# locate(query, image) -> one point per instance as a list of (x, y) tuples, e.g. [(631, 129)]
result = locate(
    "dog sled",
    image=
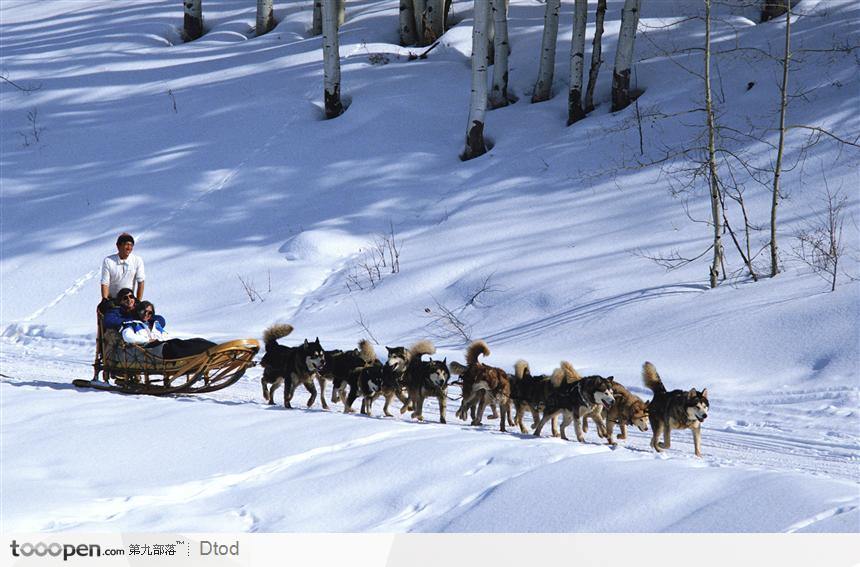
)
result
[(134, 369)]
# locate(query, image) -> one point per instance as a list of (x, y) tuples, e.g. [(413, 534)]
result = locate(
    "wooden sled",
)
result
[(136, 370)]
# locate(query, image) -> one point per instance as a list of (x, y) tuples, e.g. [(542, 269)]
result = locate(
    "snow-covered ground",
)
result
[(215, 156)]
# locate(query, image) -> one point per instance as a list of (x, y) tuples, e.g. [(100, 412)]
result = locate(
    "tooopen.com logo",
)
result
[(64, 550)]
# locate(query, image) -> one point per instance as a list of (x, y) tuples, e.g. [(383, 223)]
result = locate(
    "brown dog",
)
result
[(484, 384), (628, 409)]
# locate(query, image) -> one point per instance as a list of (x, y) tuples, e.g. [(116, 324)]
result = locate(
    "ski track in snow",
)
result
[(821, 516), (71, 290)]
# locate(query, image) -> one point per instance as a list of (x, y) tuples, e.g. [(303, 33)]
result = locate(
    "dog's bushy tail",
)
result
[(366, 351), (275, 332), (457, 368), (566, 373), (652, 379), (422, 347), (476, 349), (521, 367), (570, 373)]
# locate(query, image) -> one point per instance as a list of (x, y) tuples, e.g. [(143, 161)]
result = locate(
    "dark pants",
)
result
[(180, 348)]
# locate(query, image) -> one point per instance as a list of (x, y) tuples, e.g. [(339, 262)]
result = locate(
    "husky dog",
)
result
[(484, 384), (299, 365), (466, 389), (395, 375), (428, 379), (529, 393), (342, 367), (678, 409), (628, 409), (574, 397), (366, 382), (274, 353), (371, 382)]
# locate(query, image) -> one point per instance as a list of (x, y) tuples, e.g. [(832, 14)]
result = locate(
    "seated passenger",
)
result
[(122, 311), (147, 326), (147, 329)]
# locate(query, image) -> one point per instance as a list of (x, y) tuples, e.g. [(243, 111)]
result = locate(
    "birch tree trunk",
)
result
[(624, 55), (317, 24), (193, 20), (491, 37), (419, 8), (783, 105), (475, 145), (596, 55), (772, 9), (407, 23), (499, 93), (713, 179), (331, 59), (543, 86), (265, 16), (435, 10), (577, 62)]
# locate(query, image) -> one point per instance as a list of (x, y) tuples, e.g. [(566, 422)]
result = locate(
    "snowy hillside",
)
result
[(250, 209)]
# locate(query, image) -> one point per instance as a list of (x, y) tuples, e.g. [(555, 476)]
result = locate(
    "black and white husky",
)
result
[(575, 397), (293, 365), (342, 368), (678, 409), (426, 379), (530, 393)]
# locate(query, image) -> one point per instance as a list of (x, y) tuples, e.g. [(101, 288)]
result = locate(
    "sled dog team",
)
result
[(410, 378)]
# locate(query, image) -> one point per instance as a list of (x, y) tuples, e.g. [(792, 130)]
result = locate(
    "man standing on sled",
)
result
[(122, 270)]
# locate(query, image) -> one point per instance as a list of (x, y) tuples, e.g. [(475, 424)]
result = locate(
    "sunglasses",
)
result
[(148, 312), (125, 297)]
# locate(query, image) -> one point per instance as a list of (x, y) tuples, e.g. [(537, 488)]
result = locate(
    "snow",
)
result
[(215, 156)]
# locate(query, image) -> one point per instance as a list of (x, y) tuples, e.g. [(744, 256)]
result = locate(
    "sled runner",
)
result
[(136, 370)]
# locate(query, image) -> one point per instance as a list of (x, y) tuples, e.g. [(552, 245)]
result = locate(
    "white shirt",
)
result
[(118, 273)]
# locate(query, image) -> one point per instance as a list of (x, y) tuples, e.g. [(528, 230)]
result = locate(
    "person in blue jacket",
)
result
[(123, 310)]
